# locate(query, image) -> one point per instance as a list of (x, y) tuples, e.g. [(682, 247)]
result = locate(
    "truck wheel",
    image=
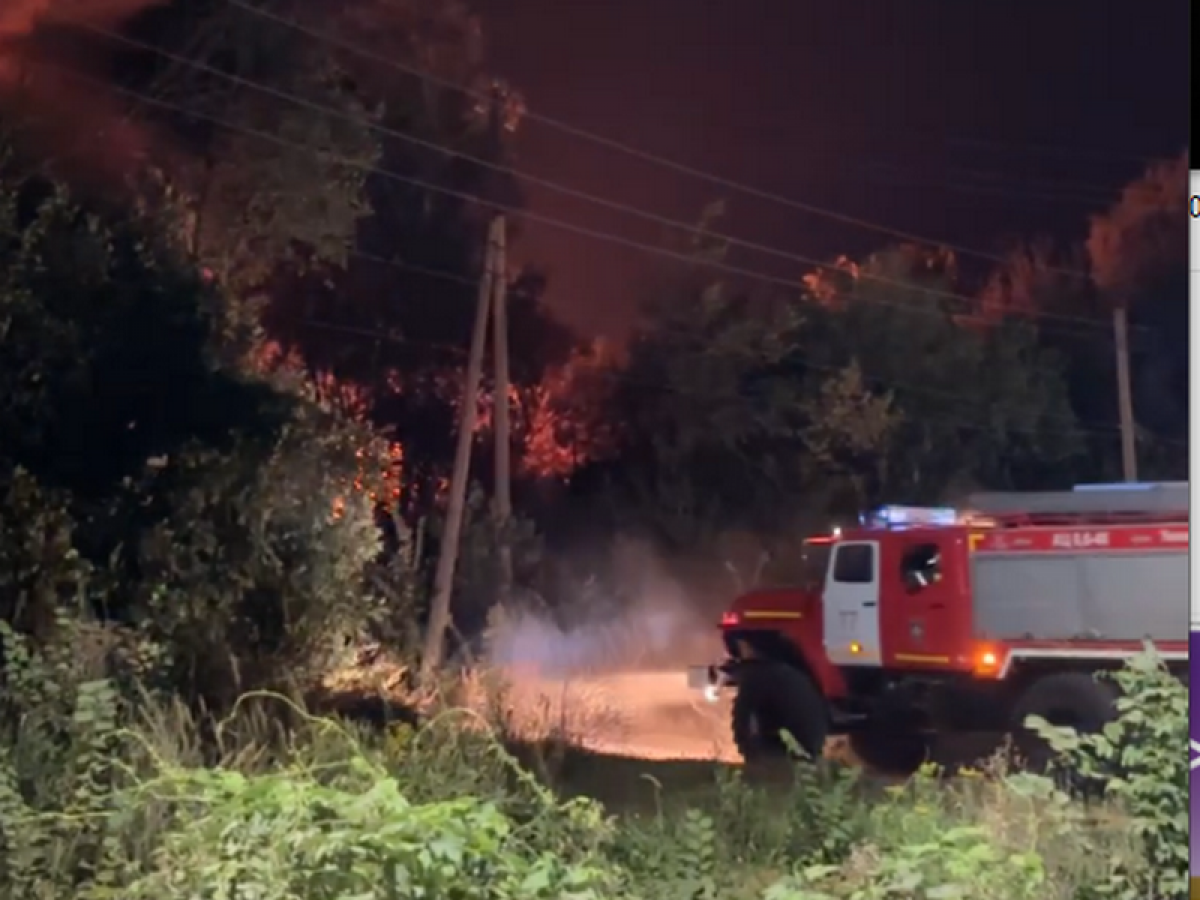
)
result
[(890, 752), (771, 698), (1074, 699)]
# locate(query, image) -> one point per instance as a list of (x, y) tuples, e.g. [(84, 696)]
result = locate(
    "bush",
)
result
[(104, 795), (253, 574), (319, 815), (286, 834), (1138, 763), (40, 569), (150, 476)]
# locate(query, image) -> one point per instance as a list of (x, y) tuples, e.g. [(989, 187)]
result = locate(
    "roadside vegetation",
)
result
[(111, 789)]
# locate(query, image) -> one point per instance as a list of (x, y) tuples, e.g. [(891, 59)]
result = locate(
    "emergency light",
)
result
[(912, 517)]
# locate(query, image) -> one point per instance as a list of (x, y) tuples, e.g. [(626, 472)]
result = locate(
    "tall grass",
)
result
[(124, 795)]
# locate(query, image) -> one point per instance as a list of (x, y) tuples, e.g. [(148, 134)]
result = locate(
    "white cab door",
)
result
[(851, 605)]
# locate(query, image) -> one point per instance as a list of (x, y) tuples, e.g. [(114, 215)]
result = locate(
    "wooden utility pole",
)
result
[(443, 586), (503, 497), (1125, 393)]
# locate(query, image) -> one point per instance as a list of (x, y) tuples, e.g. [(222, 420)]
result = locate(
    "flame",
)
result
[(390, 478)]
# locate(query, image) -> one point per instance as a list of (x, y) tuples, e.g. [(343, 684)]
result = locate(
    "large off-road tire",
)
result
[(1075, 699), (771, 698), (891, 751)]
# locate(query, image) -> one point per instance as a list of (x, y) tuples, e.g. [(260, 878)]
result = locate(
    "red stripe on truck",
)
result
[(1086, 539)]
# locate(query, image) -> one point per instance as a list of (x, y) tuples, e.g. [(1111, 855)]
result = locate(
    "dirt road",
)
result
[(650, 715), (653, 715)]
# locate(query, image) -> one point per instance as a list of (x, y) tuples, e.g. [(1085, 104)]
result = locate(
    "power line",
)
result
[(629, 150), (375, 334), (442, 274), (564, 189), (154, 101), (1108, 429), (452, 349), (607, 237), (379, 335)]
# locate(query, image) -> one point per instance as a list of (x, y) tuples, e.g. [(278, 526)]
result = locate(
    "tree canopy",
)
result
[(214, 355), (147, 479)]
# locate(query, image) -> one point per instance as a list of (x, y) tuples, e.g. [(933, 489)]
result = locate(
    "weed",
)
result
[(107, 792)]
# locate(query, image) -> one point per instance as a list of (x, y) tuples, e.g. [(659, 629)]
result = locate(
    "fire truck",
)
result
[(921, 622)]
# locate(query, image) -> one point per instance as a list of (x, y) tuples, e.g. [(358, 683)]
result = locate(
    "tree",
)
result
[(395, 316), (1038, 278), (709, 426), (251, 560), (1138, 254), (1142, 234), (966, 405), (105, 367), (1050, 285), (41, 571), (313, 228), (877, 381), (564, 423), (278, 143), (215, 510), (848, 434)]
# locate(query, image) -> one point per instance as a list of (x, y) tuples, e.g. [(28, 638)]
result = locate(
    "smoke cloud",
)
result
[(643, 619), (74, 119), (20, 20)]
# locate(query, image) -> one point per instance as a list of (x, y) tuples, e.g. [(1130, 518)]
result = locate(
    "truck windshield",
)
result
[(800, 566)]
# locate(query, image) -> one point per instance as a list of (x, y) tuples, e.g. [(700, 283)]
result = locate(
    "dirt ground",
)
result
[(653, 715), (619, 723)]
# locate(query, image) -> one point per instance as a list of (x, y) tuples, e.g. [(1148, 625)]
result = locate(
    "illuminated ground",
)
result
[(652, 715)]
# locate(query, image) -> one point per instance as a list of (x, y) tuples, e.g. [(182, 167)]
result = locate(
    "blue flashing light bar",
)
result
[(912, 517)]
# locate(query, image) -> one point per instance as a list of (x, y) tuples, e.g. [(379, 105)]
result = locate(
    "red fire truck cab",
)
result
[(926, 621)]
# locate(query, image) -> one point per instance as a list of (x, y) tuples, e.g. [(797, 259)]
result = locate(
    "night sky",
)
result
[(969, 120)]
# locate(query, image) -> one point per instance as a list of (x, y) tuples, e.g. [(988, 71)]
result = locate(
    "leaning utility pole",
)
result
[(443, 585), (502, 509), (492, 280), (1125, 393)]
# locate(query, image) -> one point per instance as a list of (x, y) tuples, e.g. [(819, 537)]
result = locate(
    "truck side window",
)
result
[(854, 564), (921, 566)]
